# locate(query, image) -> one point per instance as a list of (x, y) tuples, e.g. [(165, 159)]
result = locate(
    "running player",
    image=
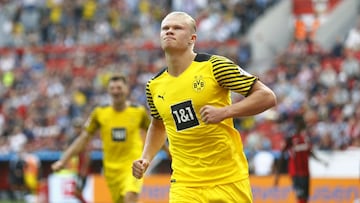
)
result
[(120, 126), (190, 103)]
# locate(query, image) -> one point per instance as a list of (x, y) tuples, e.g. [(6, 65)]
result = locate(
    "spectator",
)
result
[(350, 66), (337, 50), (300, 29), (352, 41), (17, 139), (4, 145), (326, 142)]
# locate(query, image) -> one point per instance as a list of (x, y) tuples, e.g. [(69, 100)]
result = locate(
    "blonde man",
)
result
[(190, 104)]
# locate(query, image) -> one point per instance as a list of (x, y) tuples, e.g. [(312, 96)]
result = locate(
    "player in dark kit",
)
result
[(298, 148)]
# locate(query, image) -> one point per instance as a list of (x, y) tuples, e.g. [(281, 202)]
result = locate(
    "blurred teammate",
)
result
[(190, 103), (120, 126), (298, 148)]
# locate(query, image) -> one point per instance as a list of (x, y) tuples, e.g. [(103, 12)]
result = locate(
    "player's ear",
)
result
[(192, 39)]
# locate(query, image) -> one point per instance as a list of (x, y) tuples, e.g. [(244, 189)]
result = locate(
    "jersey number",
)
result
[(184, 115)]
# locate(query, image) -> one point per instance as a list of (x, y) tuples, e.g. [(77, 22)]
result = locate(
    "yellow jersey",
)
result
[(120, 132), (202, 154)]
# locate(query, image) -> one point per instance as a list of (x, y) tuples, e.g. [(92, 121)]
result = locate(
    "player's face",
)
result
[(176, 33), (118, 91)]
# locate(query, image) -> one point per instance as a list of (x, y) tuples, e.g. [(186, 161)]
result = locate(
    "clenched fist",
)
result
[(139, 167)]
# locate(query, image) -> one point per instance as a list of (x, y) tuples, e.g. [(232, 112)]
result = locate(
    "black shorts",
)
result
[(301, 185)]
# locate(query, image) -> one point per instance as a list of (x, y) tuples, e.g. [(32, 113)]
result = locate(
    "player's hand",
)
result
[(211, 115), (57, 166), (139, 167)]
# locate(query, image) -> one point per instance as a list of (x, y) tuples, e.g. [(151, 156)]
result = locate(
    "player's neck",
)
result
[(120, 106), (179, 62)]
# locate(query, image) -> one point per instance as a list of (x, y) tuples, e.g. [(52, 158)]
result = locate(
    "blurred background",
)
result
[(56, 57)]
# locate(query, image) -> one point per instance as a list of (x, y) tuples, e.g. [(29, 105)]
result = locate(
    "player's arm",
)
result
[(155, 140), (259, 99), (312, 154), (74, 149), (145, 126)]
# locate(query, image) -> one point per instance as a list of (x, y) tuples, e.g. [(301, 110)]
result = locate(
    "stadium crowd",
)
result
[(57, 55)]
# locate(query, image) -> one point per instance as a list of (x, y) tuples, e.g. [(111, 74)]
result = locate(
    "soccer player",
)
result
[(120, 126), (190, 104), (298, 148)]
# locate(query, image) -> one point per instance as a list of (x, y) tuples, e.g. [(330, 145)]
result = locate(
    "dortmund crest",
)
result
[(198, 84)]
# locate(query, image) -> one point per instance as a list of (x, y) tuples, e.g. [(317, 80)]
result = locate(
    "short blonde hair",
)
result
[(190, 19)]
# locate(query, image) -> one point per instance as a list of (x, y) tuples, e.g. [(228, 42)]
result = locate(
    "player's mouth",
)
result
[(168, 38)]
